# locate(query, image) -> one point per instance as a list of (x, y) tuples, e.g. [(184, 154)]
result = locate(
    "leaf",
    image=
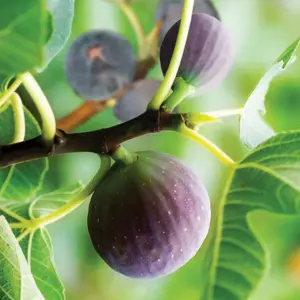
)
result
[(50, 27), (16, 281), (37, 248), (4, 80), (62, 16), (21, 181), (20, 187), (267, 179), (23, 30), (47, 203), (253, 127)]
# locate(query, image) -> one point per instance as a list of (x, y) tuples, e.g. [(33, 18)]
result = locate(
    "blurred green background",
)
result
[(262, 29)]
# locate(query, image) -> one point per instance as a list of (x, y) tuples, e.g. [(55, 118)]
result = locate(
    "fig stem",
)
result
[(200, 139), (75, 202), (134, 21), (23, 235), (181, 91), (225, 112), (8, 93), (194, 120), (123, 156), (19, 118), (43, 107), (13, 215), (151, 45), (168, 81)]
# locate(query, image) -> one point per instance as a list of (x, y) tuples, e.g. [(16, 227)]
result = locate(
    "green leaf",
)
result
[(4, 81), (62, 16), (21, 181), (37, 248), (50, 27), (283, 104), (16, 281), (45, 204), (20, 191), (267, 179), (253, 127), (23, 28)]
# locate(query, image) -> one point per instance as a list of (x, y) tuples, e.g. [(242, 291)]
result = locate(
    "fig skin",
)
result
[(209, 52), (99, 64), (149, 218), (171, 10), (135, 102)]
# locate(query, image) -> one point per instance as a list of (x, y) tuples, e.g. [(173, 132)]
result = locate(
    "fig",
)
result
[(149, 218), (208, 55), (170, 12), (99, 64), (134, 103)]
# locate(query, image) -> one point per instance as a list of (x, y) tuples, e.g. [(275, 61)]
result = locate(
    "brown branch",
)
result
[(143, 68), (103, 141), (83, 113)]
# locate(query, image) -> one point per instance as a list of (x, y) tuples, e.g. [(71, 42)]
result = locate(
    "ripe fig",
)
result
[(208, 55), (99, 64), (149, 218), (170, 12), (135, 102)]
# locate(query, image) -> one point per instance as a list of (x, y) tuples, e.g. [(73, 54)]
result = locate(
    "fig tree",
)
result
[(149, 218)]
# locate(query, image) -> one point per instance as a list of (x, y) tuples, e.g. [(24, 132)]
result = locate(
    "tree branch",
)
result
[(83, 113), (103, 141)]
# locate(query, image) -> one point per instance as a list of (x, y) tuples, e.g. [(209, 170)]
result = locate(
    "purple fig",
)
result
[(135, 102), (208, 55), (170, 12), (99, 64), (149, 218)]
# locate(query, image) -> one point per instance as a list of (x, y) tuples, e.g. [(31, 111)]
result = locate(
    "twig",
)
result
[(103, 141), (83, 113)]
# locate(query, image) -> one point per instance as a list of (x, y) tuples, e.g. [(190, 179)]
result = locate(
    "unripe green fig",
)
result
[(149, 218)]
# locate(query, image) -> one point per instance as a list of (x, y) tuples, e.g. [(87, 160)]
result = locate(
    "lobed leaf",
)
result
[(267, 179), (253, 127)]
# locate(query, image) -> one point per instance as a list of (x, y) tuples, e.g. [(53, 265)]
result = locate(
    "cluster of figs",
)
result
[(148, 218)]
